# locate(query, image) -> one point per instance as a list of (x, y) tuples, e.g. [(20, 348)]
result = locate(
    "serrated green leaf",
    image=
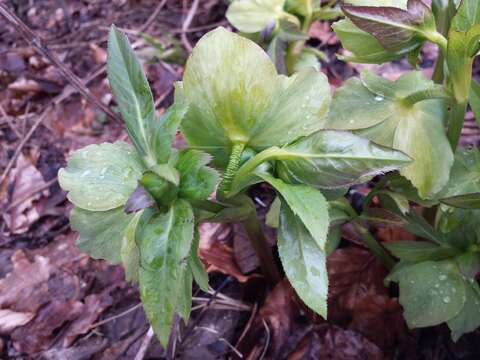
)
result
[(273, 215), (251, 16), (364, 47), (164, 241), (417, 251), (305, 60), (374, 108), (197, 180), (101, 177), (129, 251), (289, 31), (162, 191), (246, 101), (467, 201), (431, 292), (276, 51), (462, 47), (165, 130), (308, 204), (198, 270), (332, 159), (420, 227), (167, 232), (133, 94), (468, 319), (396, 29), (303, 261), (394, 201), (464, 176), (297, 108), (467, 16), (302, 7), (101, 232), (184, 297)]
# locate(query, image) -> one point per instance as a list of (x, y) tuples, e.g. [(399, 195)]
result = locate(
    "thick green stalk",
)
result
[(437, 38), (260, 245), (230, 172), (455, 124), (374, 246), (436, 92), (251, 223), (294, 49)]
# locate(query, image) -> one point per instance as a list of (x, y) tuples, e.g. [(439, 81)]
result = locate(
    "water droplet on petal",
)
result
[(446, 299), (442, 277), (379, 98)]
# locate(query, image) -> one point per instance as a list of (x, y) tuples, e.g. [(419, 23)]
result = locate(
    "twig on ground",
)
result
[(99, 323), (187, 23), (200, 28), (153, 17), (30, 194), (67, 91), (144, 346), (30, 36), (248, 326), (267, 340), (233, 348), (9, 122)]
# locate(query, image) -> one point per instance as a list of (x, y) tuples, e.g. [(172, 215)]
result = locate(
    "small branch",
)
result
[(374, 246), (55, 101), (34, 41), (259, 243), (152, 17), (187, 23), (145, 344)]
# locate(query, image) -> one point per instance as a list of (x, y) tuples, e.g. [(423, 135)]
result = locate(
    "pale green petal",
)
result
[(298, 108), (421, 135), (251, 16), (373, 108), (229, 82)]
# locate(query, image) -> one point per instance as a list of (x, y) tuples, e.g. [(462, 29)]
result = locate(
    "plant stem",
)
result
[(438, 73), (455, 125), (259, 242), (436, 92), (437, 38), (231, 170), (374, 246)]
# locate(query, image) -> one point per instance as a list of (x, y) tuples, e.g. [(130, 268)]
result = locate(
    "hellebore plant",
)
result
[(423, 118), (141, 204), (284, 25)]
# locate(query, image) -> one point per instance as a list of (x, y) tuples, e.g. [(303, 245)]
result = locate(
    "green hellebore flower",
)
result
[(235, 96)]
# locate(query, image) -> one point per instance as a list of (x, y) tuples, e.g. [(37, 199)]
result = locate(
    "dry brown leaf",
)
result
[(334, 343), (220, 257), (24, 179), (10, 320), (359, 300), (280, 311)]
